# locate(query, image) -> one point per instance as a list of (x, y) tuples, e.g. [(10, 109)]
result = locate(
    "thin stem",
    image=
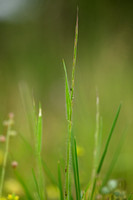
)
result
[(5, 159), (96, 148), (67, 192)]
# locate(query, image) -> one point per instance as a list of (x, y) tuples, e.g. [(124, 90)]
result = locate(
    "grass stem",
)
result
[(5, 158)]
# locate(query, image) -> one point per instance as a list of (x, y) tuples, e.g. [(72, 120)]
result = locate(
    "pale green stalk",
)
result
[(5, 159), (96, 147)]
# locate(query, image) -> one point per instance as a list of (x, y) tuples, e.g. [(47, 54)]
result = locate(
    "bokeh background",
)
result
[(34, 37)]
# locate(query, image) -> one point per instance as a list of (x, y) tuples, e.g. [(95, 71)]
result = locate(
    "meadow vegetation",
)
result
[(68, 185)]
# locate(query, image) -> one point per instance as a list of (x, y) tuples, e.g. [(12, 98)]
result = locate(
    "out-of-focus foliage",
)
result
[(34, 37)]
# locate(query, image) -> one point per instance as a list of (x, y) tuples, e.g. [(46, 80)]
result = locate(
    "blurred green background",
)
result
[(34, 37)]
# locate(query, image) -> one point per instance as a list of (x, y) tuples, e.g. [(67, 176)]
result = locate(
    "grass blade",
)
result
[(49, 174), (108, 140), (36, 184), (40, 174), (115, 157), (100, 137), (67, 92), (60, 182), (39, 130), (25, 188), (5, 159), (68, 109), (105, 150), (75, 168), (74, 56)]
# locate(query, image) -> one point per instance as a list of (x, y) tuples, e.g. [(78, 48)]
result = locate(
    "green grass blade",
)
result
[(40, 175), (75, 168), (100, 136), (105, 150), (108, 140), (68, 109), (36, 184), (60, 182), (49, 174), (74, 56), (39, 131), (67, 92), (25, 188), (40, 178), (115, 157)]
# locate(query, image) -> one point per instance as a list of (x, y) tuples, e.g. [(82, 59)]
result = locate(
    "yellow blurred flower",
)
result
[(80, 151), (12, 197), (53, 192), (13, 186), (1, 158)]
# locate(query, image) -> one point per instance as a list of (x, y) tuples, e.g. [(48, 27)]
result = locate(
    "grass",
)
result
[(9, 127), (40, 170)]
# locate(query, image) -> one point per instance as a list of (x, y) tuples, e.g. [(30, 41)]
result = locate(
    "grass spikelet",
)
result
[(69, 109)]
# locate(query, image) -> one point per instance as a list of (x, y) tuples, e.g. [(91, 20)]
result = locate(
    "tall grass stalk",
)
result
[(69, 109)]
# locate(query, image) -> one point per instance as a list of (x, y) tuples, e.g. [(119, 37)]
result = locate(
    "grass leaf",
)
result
[(105, 150), (67, 92), (23, 184), (74, 56), (39, 130), (108, 140), (49, 174), (115, 157), (60, 182), (36, 184), (75, 168)]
